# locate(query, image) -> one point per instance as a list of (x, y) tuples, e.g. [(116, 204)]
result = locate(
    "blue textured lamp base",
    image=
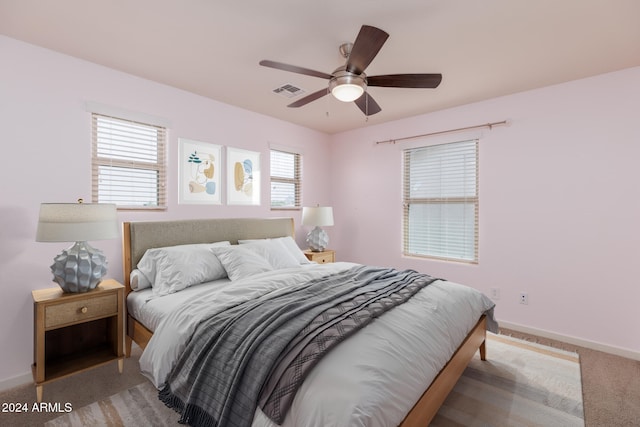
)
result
[(317, 239), (79, 268)]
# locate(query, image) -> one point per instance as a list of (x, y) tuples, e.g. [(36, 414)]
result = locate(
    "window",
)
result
[(441, 201), (285, 180), (128, 163)]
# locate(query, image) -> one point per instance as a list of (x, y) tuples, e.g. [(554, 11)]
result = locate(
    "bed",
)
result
[(411, 410)]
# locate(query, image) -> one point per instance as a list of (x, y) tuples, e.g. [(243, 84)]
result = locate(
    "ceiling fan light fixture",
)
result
[(347, 87)]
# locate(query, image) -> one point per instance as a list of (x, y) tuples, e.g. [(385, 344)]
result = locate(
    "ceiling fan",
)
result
[(349, 82)]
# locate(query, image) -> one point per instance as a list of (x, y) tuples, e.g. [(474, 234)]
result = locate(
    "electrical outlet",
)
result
[(495, 293), (524, 298)]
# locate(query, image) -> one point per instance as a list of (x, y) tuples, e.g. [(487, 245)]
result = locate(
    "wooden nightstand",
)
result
[(75, 332), (328, 255)]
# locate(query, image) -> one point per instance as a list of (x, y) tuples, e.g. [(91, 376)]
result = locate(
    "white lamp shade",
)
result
[(347, 92), (347, 87), (76, 222), (321, 216)]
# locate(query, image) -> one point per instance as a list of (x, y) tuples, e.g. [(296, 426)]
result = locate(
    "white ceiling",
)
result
[(483, 48)]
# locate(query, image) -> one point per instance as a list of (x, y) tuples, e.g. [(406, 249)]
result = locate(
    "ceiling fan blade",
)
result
[(309, 98), (294, 69), (367, 104), (365, 48), (428, 81)]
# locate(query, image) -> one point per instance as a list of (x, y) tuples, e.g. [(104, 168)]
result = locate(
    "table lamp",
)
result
[(81, 267), (319, 216)]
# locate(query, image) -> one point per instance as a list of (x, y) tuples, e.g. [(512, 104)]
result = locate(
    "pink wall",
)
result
[(559, 204), (46, 153)]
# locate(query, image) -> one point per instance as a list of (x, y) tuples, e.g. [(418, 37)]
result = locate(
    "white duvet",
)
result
[(371, 379)]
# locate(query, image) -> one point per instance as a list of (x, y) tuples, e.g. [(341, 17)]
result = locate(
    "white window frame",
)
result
[(441, 201), (128, 163), (296, 180)]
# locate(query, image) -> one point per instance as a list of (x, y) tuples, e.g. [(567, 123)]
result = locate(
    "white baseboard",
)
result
[(593, 345), (19, 380)]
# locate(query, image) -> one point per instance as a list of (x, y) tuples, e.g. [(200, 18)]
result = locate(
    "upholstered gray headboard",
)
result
[(143, 235)]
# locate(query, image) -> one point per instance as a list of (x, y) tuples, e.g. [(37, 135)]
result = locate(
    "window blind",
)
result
[(285, 180), (441, 201), (128, 163)]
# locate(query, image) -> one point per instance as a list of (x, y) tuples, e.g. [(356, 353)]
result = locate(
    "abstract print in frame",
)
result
[(200, 172), (243, 177)]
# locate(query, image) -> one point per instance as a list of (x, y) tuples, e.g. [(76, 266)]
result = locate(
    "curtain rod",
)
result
[(486, 125)]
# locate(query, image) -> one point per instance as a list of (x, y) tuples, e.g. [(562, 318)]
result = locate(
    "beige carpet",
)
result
[(520, 384)]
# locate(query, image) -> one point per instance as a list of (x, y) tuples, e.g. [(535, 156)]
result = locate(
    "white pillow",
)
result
[(294, 250), (289, 244), (273, 251), (173, 268), (241, 262), (138, 280)]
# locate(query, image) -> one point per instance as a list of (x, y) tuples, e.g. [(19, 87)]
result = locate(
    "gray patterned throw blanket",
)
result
[(259, 351)]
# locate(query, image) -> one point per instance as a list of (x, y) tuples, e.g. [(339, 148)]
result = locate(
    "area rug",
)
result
[(520, 384)]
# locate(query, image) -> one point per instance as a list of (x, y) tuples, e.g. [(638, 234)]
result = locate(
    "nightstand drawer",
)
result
[(79, 310), (323, 258)]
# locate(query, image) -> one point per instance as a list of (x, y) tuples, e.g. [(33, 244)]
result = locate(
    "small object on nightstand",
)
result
[(326, 256), (80, 267), (317, 217), (76, 331)]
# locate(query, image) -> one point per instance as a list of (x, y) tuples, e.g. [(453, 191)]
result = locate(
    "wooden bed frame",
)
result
[(140, 236)]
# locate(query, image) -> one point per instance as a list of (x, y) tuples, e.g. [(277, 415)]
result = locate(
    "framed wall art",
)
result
[(199, 172), (243, 177)]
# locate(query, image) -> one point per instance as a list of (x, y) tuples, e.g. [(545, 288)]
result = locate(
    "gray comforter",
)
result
[(268, 344)]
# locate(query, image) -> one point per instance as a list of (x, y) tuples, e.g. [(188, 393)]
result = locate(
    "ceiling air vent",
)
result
[(288, 91)]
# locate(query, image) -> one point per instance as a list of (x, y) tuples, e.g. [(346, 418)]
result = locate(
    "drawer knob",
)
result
[(84, 310)]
